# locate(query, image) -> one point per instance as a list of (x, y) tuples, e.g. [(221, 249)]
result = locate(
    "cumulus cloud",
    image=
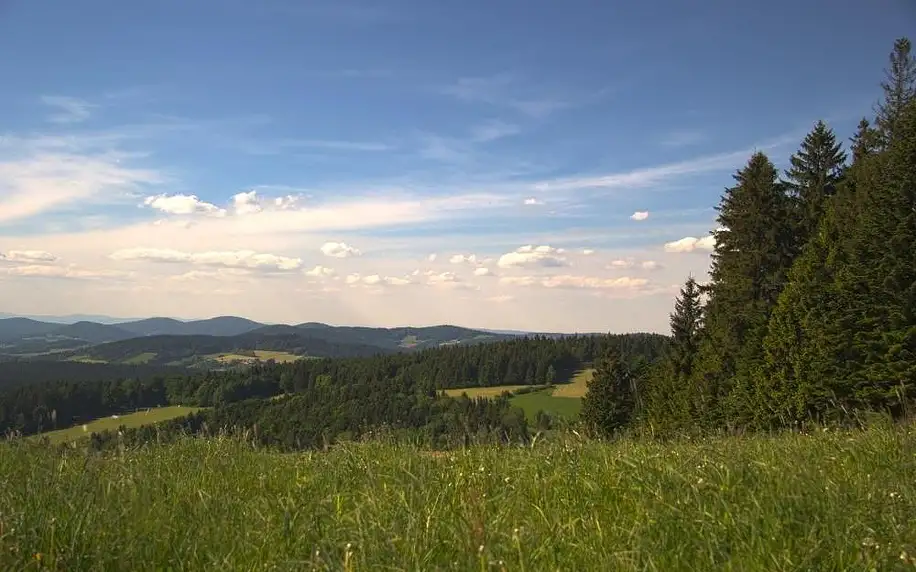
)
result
[(320, 271), (588, 251), (650, 265), (339, 250), (182, 205), (621, 263), (690, 244), (356, 278), (432, 257), (231, 259), (482, 272), (533, 201), (246, 203), (31, 256), (532, 256), (640, 215), (463, 259)]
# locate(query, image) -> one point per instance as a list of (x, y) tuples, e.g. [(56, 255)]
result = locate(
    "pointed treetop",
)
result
[(899, 88)]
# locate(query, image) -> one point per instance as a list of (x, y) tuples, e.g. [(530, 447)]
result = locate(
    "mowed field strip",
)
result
[(137, 419), (261, 355), (562, 399)]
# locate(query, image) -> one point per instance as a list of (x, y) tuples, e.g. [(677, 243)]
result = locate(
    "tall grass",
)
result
[(827, 501)]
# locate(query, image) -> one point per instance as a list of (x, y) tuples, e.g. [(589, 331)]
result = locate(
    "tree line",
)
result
[(321, 397), (809, 315)]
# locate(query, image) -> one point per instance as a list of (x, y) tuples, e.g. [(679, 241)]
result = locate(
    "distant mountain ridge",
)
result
[(27, 337)]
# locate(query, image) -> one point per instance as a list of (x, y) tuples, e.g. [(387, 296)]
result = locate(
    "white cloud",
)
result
[(376, 280), (246, 203), (234, 274), (70, 109), (432, 257), (339, 250), (441, 278), (482, 272), (588, 252), (690, 244), (650, 265), (463, 259), (30, 256), (592, 282), (45, 181), (181, 205), (71, 271), (518, 280), (529, 256), (320, 271), (621, 263), (232, 259), (640, 215), (531, 201)]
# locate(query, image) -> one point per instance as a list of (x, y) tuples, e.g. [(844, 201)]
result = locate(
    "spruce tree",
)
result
[(609, 404), (754, 249), (899, 88), (668, 405), (816, 171)]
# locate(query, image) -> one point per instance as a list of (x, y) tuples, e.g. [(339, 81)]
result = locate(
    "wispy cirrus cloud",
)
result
[(69, 109), (229, 259), (509, 91), (44, 181), (683, 138)]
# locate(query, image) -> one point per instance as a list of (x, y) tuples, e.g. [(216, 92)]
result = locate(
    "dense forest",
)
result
[(292, 403), (809, 316)]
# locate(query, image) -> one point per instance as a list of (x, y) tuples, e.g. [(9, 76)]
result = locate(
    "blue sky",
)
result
[(401, 129)]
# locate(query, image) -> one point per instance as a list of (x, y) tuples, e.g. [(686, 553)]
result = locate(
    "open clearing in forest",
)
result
[(136, 419), (494, 391), (563, 399), (259, 355), (577, 385)]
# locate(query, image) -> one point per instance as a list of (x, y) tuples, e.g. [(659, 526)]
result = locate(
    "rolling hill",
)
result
[(169, 341)]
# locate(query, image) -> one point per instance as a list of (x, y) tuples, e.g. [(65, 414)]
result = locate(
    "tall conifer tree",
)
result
[(754, 249)]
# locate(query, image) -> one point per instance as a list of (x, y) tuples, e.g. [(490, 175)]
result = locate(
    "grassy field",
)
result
[(141, 358), (827, 501), (474, 392), (85, 359), (561, 400), (546, 400), (144, 417), (262, 355), (577, 385)]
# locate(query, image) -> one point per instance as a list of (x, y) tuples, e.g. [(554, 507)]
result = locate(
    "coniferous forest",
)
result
[(809, 313)]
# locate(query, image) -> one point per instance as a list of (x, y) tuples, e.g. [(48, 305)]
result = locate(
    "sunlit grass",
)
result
[(137, 419), (844, 501), (577, 385), (494, 391)]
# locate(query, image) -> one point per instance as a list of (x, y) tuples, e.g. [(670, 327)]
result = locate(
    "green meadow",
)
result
[(825, 501), (136, 419)]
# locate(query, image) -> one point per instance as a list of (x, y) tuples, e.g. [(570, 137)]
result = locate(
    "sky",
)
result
[(507, 164)]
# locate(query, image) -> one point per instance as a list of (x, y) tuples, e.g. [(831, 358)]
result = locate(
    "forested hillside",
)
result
[(809, 315), (328, 397)]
